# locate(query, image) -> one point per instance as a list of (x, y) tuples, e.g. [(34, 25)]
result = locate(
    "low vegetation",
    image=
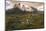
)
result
[(23, 20)]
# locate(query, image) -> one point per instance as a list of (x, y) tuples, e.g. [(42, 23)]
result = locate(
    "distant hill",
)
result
[(16, 11)]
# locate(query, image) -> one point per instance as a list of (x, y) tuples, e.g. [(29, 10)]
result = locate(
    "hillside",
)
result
[(18, 19)]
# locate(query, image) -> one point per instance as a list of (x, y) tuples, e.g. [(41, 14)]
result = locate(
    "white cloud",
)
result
[(32, 0), (11, 5)]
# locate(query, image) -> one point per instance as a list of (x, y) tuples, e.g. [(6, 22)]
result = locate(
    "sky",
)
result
[(30, 0), (10, 3)]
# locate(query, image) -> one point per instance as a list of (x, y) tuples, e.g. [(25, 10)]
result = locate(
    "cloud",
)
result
[(32, 0)]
